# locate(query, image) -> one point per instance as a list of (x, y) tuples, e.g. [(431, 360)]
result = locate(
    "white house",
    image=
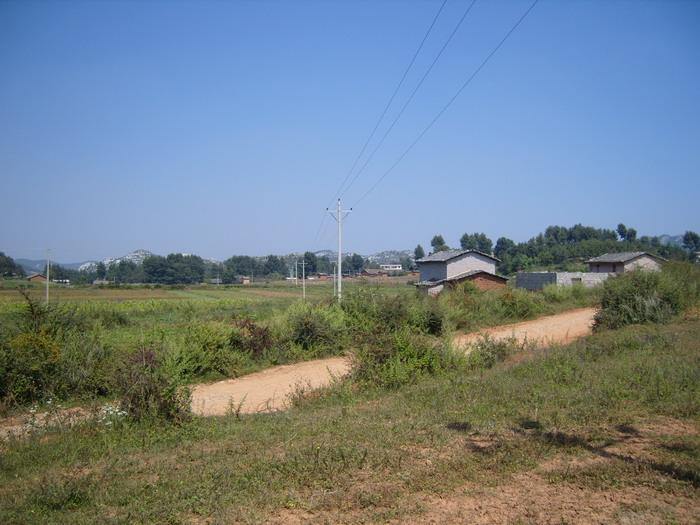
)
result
[(454, 266)]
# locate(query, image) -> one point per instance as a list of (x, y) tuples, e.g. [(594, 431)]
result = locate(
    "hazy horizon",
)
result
[(226, 128)]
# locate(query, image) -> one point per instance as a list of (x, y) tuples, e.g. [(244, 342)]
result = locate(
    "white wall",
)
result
[(468, 262), (644, 263)]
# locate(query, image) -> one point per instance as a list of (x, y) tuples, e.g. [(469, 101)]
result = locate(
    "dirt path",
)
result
[(270, 389), (267, 390), (559, 328)]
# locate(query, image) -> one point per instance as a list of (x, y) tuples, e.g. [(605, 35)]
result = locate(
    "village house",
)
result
[(451, 267), (624, 262), (37, 278)]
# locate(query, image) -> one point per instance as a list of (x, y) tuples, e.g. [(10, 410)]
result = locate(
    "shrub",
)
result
[(392, 359), (28, 364), (249, 337), (147, 390), (315, 327), (639, 297), (207, 349), (520, 304)]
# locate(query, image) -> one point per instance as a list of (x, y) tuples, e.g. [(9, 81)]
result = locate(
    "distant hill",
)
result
[(37, 265), (671, 240)]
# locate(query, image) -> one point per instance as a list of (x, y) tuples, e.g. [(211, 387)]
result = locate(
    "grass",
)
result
[(349, 454)]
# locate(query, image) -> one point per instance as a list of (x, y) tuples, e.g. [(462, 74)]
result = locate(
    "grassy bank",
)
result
[(352, 454)]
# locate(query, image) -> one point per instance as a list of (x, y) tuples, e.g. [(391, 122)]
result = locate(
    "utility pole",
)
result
[(48, 271), (339, 215), (303, 278), (334, 290), (296, 272)]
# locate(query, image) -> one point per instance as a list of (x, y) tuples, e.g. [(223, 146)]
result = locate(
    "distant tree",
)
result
[(274, 265), (311, 262), (9, 268), (622, 231), (418, 252), (691, 241), (631, 234), (476, 241), (504, 246), (353, 263), (323, 264), (406, 263), (438, 244), (101, 270)]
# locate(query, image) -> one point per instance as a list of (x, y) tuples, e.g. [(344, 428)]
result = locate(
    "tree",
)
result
[(504, 246), (622, 231), (691, 241), (631, 234), (476, 241), (274, 265), (311, 263), (438, 244), (418, 252), (101, 270), (9, 268)]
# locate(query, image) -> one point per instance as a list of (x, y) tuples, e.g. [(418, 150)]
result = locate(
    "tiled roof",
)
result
[(621, 257), (451, 254)]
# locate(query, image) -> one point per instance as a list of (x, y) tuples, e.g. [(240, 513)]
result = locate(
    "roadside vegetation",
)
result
[(612, 420)]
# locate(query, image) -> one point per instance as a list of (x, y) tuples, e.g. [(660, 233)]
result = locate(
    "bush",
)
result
[(392, 359), (249, 337), (207, 348), (318, 328), (639, 297), (28, 365), (147, 390)]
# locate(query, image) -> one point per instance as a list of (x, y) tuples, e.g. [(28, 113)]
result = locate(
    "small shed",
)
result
[(625, 262)]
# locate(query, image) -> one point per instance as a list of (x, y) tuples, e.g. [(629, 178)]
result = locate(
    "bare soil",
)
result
[(267, 390), (553, 329)]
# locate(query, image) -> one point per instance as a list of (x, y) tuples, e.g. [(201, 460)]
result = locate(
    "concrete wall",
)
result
[(538, 280), (534, 280), (606, 267), (644, 263), (587, 279), (469, 262), (432, 271)]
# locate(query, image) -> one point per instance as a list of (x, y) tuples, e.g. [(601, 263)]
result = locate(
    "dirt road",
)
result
[(266, 390), (270, 389), (560, 328)]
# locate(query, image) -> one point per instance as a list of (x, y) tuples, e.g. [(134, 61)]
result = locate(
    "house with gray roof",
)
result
[(625, 262), (451, 267)]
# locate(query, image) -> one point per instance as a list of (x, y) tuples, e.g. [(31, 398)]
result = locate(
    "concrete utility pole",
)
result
[(303, 279), (334, 288), (339, 215), (296, 272), (48, 271)]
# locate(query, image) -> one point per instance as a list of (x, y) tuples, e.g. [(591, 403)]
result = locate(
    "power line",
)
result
[(449, 103), (410, 98), (391, 99)]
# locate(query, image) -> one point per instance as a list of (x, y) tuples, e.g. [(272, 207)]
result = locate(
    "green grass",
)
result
[(366, 454)]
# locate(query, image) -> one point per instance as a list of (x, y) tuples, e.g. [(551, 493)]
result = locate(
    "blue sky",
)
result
[(224, 128)]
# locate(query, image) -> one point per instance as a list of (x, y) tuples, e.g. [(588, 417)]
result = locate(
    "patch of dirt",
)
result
[(267, 390), (17, 426), (553, 329)]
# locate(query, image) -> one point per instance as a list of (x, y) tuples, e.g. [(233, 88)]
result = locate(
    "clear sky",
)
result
[(224, 128)]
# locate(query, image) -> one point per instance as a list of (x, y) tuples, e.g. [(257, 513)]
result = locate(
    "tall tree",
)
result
[(418, 252), (438, 244), (311, 262), (622, 231), (476, 241), (631, 234), (504, 246), (101, 270)]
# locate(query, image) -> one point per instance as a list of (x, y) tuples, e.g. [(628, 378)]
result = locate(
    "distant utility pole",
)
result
[(339, 215), (303, 278), (48, 271), (334, 290), (296, 272)]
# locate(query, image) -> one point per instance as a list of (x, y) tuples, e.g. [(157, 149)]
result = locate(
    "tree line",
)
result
[(566, 248)]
